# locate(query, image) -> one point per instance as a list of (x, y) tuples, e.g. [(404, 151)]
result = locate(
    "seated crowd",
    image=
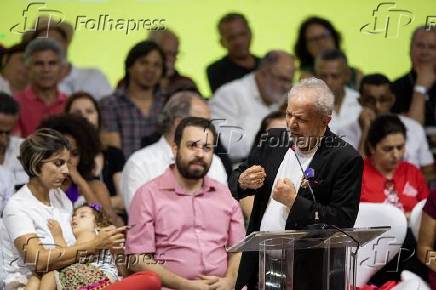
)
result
[(142, 175)]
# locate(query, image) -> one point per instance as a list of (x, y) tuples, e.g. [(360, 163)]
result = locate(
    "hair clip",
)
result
[(96, 206)]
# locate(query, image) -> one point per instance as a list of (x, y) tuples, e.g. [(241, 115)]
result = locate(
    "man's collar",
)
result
[(30, 94), (172, 185)]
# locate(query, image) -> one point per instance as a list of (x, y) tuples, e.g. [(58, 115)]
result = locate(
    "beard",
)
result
[(187, 172), (275, 96)]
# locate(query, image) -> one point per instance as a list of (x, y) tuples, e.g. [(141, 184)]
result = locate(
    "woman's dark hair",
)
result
[(8, 105), (84, 133), (300, 47), (382, 126), (6, 53), (264, 125), (141, 49), (83, 95), (39, 146)]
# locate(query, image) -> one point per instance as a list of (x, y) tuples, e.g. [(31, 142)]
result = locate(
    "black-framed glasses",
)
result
[(326, 34)]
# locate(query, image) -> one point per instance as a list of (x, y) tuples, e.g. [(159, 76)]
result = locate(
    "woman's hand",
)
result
[(75, 176), (110, 238), (54, 227)]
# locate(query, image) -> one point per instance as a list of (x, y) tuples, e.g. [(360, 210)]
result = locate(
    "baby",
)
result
[(97, 273)]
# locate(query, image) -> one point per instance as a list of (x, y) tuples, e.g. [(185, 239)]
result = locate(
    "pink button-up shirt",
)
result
[(33, 110), (187, 233)]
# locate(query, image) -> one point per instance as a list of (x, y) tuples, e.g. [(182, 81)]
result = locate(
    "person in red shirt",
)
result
[(386, 177), (44, 59)]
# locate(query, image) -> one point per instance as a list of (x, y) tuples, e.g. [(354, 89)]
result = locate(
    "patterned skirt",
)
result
[(81, 277)]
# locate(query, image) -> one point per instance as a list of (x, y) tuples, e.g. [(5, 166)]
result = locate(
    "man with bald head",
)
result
[(273, 173), (239, 106), (153, 160), (173, 81)]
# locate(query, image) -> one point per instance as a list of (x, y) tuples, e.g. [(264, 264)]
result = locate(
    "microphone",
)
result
[(306, 176), (317, 225)]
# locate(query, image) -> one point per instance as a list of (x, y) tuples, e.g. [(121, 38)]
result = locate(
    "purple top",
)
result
[(72, 192)]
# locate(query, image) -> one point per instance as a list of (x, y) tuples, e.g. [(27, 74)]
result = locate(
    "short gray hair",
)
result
[(43, 44), (178, 106), (158, 35), (325, 98)]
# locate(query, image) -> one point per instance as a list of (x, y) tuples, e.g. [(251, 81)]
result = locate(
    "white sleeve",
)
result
[(132, 177), (275, 216), (217, 170), (6, 187), (16, 222), (102, 85), (424, 154), (225, 110), (348, 134)]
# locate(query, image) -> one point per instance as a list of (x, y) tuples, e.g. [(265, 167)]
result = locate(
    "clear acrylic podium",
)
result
[(307, 259)]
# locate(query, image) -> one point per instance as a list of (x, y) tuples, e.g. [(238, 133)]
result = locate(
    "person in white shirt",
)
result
[(89, 80), (6, 187), (377, 98), (332, 67), (29, 246), (10, 145), (153, 160), (239, 106), (306, 177)]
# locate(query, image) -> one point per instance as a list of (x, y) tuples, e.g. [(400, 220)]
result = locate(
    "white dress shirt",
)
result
[(276, 213), (12, 163), (89, 80), (6, 187), (23, 215), (350, 108), (239, 109), (152, 161), (4, 86), (417, 150)]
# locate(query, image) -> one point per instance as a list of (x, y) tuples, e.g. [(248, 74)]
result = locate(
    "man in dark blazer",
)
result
[(337, 174)]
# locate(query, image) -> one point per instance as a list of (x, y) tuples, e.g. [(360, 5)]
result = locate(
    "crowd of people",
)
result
[(143, 185)]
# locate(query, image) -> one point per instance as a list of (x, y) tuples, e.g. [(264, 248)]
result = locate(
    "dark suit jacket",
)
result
[(336, 185)]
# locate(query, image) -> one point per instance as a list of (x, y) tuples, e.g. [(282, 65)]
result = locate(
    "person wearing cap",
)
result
[(75, 79), (13, 73), (313, 177), (44, 59)]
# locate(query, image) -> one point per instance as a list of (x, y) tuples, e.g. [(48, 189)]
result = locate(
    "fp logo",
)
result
[(387, 20), (33, 11)]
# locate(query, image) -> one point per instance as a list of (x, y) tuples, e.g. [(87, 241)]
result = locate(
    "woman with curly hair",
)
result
[(85, 146), (316, 35), (110, 161)]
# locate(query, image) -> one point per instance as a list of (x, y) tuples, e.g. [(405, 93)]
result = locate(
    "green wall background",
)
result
[(274, 23)]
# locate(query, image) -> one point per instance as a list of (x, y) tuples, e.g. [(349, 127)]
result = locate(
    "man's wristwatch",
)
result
[(421, 90)]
